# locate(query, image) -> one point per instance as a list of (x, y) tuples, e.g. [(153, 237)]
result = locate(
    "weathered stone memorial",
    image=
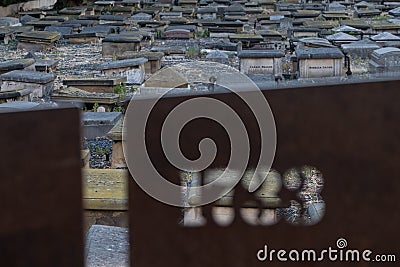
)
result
[(17, 64), (115, 134), (98, 124), (79, 96), (360, 49), (15, 95), (39, 83), (341, 38), (37, 40), (154, 59), (218, 56), (320, 62), (177, 34), (385, 60), (6, 34), (107, 246), (131, 69), (46, 65), (116, 44), (96, 85), (261, 62)]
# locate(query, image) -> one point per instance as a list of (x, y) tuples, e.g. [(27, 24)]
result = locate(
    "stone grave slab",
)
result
[(141, 16), (84, 37), (154, 59), (37, 40), (115, 134), (122, 10), (135, 3), (15, 95), (73, 11), (56, 18), (17, 64), (103, 29), (385, 60), (33, 13), (40, 25), (44, 65), (177, 34), (18, 106), (76, 95), (116, 44), (106, 19), (360, 49), (97, 85), (217, 56), (60, 29), (98, 124), (21, 29), (39, 83), (6, 34), (104, 3), (107, 246), (132, 69), (112, 195), (83, 22), (26, 18), (9, 21)]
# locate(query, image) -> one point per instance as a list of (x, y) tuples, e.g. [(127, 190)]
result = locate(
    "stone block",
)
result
[(39, 83), (16, 64), (115, 44), (97, 124), (98, 85), (132, 69), (107, 246)]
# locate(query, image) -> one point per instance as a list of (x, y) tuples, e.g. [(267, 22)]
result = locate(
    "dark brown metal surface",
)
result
[(349, 132), (40, 190)]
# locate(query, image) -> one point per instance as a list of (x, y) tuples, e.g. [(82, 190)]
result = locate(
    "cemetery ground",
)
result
[(99, 56)]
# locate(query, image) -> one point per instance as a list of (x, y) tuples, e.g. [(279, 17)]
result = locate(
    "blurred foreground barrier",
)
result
[(348, 132), (40, 192)]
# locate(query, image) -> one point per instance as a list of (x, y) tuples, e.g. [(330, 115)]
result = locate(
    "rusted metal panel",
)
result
[(349, 132), (40, 192)]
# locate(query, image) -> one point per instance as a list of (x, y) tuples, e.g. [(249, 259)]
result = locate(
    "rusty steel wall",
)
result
[(350, 132), (40, 191)]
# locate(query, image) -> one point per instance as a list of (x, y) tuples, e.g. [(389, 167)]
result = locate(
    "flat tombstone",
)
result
[(261, 61), (46, 65), (73, 11), (116, 44), (97, 85), (9, 21), (141, 16), (15, 95), (60, 29), (115, 134), (154, 59), (132, 69), (177, 34), (96, 124), (107, 246), (37, 40), (104, 3), (40, 192), (16, 64), (6, 34), (40, 83)]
